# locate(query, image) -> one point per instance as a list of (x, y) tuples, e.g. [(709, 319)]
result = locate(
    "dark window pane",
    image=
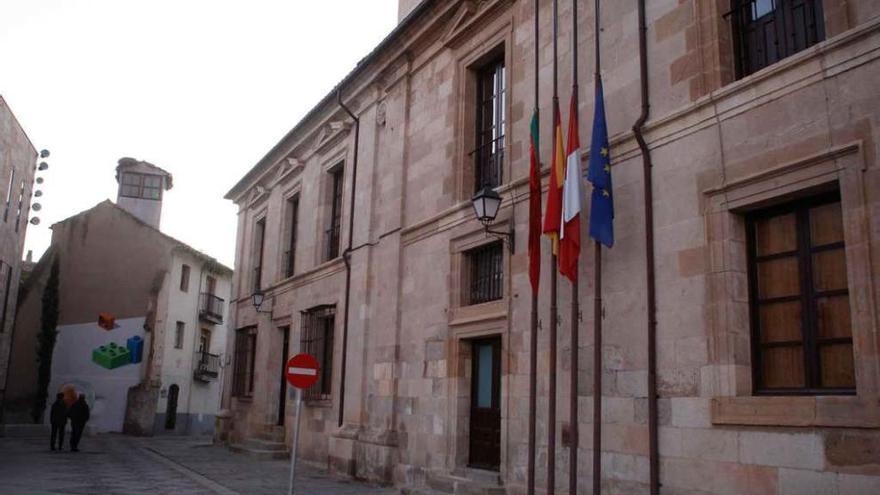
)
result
[(833, 317), (829, 270), (486, 273), (826, 224), (783, 367), (837, 366), (780, 322), (776, 235), (778, 278)]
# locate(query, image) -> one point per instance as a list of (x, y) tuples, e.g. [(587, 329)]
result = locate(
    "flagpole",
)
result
[(597, 319), (533, 340), (575, 310), (551, 389)]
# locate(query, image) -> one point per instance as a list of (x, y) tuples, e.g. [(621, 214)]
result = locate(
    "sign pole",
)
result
[(294, 448)]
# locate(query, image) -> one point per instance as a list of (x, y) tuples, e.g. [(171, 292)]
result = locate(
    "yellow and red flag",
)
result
[(570, 243), (553, 213)]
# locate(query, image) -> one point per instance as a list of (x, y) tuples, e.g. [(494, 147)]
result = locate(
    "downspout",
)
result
[(346, 255), (647, 165)]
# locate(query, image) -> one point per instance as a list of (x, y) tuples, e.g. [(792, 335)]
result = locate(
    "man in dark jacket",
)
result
[(58, 417), (79, 415)]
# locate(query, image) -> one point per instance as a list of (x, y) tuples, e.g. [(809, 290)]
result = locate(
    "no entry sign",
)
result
[(302, 371)]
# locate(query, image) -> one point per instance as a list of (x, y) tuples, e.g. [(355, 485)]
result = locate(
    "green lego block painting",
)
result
[(111, 356)]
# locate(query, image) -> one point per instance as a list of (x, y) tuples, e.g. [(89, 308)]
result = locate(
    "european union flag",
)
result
[(599, 174)]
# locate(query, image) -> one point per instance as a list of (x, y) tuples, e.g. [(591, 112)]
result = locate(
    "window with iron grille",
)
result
[(259, 241), (767, 31), (141, 186), (485, 272), (799, 302), (243, 367), (491, 118), (332, 233), (316, 338), (292, 226)]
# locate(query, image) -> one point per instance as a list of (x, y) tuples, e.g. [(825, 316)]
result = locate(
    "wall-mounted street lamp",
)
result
[(258, 297), (486, 203)]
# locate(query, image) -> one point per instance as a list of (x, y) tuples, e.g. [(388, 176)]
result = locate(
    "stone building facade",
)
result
[(766, 210), (18, 161)]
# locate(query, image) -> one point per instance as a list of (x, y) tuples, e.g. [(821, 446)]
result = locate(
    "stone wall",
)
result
[(719, 147)]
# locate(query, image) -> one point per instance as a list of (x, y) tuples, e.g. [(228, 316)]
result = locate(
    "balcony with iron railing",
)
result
[(211, 308), (207, 366)]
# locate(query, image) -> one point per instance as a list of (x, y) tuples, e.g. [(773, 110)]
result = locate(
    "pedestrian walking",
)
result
[(58, 418), (79, 416)]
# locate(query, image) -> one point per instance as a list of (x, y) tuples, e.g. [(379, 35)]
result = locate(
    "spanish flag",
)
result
[(570, 245), (553, 213)]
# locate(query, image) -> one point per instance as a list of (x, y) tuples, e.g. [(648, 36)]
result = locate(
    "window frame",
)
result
[(495, 289), (185, 271), (139, 189), (496, 70), (743, 24), (257, 257), (333, 233), (807, 296), (179, 334), (289, 260), (317, 329), (244, 363)]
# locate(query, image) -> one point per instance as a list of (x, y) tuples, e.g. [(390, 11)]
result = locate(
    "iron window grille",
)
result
[(243, 367), (799, 300), (485, 273), (141, 186), (767, 31), (491, 119), (316, 338), (331, 235)]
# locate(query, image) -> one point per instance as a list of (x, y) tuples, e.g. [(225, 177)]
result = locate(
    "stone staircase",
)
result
[(265, 444), (460, 482)]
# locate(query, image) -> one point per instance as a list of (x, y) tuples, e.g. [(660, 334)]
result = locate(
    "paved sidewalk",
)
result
[(116, 464)]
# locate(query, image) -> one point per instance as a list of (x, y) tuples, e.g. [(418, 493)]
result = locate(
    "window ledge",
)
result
[(826, 411), (464, 315)]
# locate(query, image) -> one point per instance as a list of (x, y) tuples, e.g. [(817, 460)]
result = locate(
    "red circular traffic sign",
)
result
[(302, 371)]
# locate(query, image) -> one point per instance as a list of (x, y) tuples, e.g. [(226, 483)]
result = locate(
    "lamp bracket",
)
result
[(508, 237)]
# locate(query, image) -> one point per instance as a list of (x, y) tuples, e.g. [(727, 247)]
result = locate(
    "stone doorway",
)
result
[(484, 443)]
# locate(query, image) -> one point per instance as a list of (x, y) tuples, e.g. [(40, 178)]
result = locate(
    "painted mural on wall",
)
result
[(101, 360)]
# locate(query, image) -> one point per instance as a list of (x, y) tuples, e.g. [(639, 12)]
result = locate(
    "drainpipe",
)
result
[(647, 165), (346, 256)]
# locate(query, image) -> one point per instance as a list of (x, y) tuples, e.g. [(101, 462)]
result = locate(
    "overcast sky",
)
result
[(201, 88)]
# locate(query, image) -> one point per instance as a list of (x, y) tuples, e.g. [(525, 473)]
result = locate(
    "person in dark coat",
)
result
[(79, 415), (58, 418)]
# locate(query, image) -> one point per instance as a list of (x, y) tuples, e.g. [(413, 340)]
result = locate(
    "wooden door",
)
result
[(171, 410), (485, 417)]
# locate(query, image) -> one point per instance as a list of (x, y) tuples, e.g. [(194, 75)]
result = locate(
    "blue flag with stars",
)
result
[(599, 174)]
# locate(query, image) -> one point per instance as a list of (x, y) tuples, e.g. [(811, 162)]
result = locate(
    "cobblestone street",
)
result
[(116, 464)]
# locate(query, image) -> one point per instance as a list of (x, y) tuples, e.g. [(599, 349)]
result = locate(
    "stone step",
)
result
[(419, 491), (460, 485), (261, 444), (259, 453)]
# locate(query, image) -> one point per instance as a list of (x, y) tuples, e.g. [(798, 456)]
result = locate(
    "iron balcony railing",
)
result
[(207, 366), (211, 308), (488, 163)]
